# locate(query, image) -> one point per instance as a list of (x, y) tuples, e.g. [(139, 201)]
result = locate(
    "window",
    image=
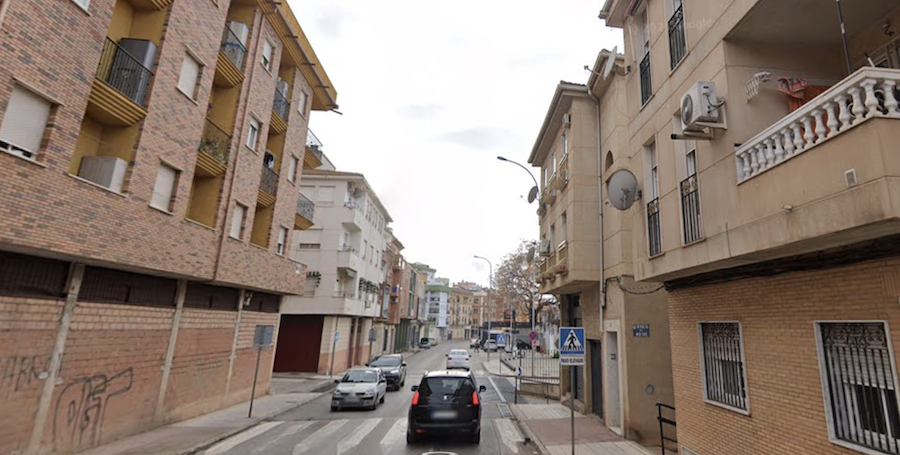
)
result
[(677, 43), (722, 357), (237, 221), (253, 135), (544, 176), (565, 143), (365, 248), (292, 169), (690, 200), (282, 239), (857, 369), (654, 231), (267, 55), (563, 227), (646, 86), (164, 189), (190, 73), (24, 123), (309, 246), (301, 103), (552, 164)]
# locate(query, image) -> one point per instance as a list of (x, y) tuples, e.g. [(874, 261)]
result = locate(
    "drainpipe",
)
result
[(600, 194)]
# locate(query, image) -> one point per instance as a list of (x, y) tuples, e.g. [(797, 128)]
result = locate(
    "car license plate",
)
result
[(444, 415), (352, 399)]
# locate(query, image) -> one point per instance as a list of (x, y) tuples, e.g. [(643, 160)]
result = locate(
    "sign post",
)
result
[(533, 337), (501, 343), (333, 347), (263, 338), (571, 354)]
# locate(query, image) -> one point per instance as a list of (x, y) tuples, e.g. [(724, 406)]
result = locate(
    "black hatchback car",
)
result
[(445, 403), (394, 369)]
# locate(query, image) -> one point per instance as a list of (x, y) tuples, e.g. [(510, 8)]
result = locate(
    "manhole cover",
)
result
[(504, 410)]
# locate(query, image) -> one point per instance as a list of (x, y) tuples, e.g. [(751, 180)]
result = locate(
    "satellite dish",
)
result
[(622, 187), (532, 195), (610, 63)]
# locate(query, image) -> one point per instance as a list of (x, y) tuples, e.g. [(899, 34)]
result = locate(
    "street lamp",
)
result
[(537, 187), (490, 301)]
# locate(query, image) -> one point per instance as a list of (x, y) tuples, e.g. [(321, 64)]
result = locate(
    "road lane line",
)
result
[(499, 393), (240, 438), (296, 428), (357, 435), (396, 435), (319, 436)]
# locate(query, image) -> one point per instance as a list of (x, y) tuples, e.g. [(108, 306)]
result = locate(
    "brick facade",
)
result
[(784, 386)]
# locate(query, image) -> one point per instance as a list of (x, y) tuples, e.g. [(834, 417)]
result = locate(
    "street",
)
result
[(313, 429)]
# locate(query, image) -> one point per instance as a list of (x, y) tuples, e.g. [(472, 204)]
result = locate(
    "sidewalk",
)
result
[(288, 392), (548, 425)]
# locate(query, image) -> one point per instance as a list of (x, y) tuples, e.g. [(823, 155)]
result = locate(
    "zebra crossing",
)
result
[(372, 436)]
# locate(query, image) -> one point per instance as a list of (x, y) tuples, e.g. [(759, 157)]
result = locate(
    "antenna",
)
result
[(610, 63), (532, 195), (623, 191)]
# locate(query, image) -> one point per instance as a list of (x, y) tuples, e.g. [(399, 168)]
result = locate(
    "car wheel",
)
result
[(411, 438), (334, 409), (402, 383), (381, 401), (475, 438)]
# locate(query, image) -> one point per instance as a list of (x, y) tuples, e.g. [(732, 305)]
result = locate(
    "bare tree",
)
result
[(514, 281)]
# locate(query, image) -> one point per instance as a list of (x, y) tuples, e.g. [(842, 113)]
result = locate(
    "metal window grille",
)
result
[(723, 364), (859, 374), (653, 227), (263, 302), (690, 209), (30, 276), (646, 86), (207, 297), (114, 286), (677, 42)]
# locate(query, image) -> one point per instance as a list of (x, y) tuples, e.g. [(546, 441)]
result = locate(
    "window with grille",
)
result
[(654, 228), (690, 200), (858, 380), (724, 375), (677, 41)]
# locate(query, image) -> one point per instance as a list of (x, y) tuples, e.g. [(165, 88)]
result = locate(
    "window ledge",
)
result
[(200, 224), (236, 239), (745, 412), (655, 256), (27, 160), (700, 240), (187, 96), (97, 186), (82, 8), (680, 62), (161, 210), (260, 247), (854, 447), (252, 150), (652, 95)]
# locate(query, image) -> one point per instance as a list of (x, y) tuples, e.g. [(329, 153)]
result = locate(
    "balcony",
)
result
[(303, 219), (268, 187), (280, 109), (312, 159), (213, 152), (230, 62), (867, 94), (562, 256), (120, 87)]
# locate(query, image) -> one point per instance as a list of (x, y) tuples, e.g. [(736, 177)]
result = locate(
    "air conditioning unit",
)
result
[(545, 248), (107, 171), (698, 106), (567, 120)]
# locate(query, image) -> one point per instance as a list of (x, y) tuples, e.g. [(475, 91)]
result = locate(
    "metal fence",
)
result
[(653, 228), (233, 49), (690, 209), (663, 419), (269, 180), (646, 86), (677, 43), (123, 72), (535, 366), (215, 142)]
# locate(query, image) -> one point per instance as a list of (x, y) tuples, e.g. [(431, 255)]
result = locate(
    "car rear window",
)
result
[(459, 352), (453, 389)]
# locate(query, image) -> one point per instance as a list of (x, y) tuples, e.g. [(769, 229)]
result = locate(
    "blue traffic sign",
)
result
[(532, 336), (501, 339), (571, 341)]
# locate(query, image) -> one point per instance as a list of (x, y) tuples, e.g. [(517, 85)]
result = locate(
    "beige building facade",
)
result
[(773, 222)]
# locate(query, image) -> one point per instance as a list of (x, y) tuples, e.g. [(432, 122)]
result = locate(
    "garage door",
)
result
[(299, 340)]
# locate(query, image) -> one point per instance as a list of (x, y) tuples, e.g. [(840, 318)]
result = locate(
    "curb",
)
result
[(251, 423), (529, 434)]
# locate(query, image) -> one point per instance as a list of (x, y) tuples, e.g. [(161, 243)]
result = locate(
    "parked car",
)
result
[(424, 343), (523, 345), (490, 346), (359, 388), (458, 358), (445, 403), (394, 369), (433, 341)]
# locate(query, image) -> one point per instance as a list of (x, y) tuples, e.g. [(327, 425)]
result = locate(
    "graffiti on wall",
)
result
[(18, 373), (78, 416)]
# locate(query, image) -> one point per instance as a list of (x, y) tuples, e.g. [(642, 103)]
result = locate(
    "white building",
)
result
[(437, 294)]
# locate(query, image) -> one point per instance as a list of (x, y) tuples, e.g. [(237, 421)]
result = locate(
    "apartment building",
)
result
[(424, 328), (394, 258), (764, 142), (149, 160), (586, 258), (437, 294), (459, 313), (331, 326)]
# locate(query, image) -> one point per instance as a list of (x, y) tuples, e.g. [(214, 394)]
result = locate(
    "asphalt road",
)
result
[(313, 429)]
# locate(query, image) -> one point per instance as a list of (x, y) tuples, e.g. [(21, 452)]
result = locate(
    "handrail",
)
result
[(123, 72), (281, 105), (269, 180), (233, 48), (305, 207), (215, 141)]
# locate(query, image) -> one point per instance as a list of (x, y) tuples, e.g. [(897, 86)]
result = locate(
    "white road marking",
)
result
[(396, 435), (509, 435), (296, 428), (240, 438), (319, 436), (500, 394), (357, 435)]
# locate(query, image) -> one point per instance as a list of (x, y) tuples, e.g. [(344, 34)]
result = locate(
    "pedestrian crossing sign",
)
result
[(501, 340), (571, 345)]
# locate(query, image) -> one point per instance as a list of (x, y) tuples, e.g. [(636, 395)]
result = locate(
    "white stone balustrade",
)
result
[(867, 93)]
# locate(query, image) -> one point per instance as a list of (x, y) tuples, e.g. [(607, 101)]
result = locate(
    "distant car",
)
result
[(523, 345), (433, 341), (359, 388), (394, 369), (424, 343), (458, 358), (490, 346), (445, 403)]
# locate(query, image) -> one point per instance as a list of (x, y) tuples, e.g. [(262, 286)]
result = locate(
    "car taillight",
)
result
[(415, 401), (475, 398)]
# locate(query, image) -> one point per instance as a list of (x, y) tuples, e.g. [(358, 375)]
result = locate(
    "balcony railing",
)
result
[(654, 233), (269, 181), (868, 93), (281, 106), (690, 209), (314, 144), (215, 142), (677, 42), (646, 86), (123, 72), (563, 253), (233, 49), (306, 208)]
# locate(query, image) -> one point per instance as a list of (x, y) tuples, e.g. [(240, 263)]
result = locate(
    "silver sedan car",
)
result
[(359, 388)]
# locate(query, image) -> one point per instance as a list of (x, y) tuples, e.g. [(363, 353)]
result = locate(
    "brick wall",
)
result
[(777, 314), (245, 360), (27, 333)]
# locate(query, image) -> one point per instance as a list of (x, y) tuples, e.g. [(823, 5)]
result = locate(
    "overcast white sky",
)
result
[(432, 92)]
